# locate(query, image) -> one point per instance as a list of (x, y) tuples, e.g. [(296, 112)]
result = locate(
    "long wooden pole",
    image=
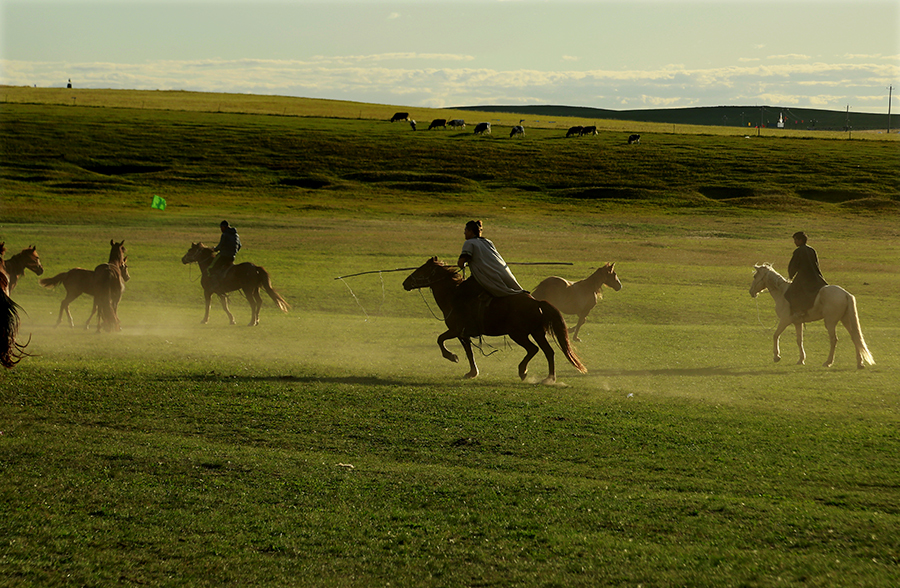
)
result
[(407, 269)]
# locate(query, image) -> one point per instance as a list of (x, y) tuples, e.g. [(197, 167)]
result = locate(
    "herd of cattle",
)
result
[(485, 127)]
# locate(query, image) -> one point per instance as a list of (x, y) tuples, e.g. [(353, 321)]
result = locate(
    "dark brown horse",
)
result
[(78, 281), (520, 316), (246, 277), (578, 297), (16, 265), (11, 352)]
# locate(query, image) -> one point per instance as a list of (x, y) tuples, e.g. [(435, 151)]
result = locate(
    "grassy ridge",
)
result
[(332, 446)]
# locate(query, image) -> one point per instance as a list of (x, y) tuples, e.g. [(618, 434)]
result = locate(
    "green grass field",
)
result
[(333, 446)]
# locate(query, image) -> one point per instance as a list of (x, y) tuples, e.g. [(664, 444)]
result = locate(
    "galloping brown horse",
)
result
[(78, 281), (16, 265), (578, 297), (518, 316), (246, 277)]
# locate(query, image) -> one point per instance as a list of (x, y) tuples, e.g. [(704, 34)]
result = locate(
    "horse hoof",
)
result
[(470, 375), (777, 359), (549, 381)]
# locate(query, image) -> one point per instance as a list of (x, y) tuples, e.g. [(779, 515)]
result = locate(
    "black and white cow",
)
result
[(400, 116), (589, 131), (517, 130), (634, 139), (483, 128), (457, 123)]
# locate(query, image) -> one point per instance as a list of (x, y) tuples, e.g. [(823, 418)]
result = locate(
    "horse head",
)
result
[(611, 279), (760, 278), (197, 253), (124, 270), (32, 261), (430, 272), (116, 252)]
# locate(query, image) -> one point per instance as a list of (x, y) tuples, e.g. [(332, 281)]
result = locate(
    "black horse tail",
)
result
[(54, 281), (555, 324), (108, 285), (11, 352), (266, 283)]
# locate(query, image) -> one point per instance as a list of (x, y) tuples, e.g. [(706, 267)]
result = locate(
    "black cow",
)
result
[(438, 122), (400, 116), (634, 139), (589, 131), (575, 131)]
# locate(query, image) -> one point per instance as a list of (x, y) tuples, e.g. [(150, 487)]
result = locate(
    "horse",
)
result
[(109, 283), (518, 316), (16, 265), (78, 281), (832, 304), (578, 297), (244, 276), (11, 352)]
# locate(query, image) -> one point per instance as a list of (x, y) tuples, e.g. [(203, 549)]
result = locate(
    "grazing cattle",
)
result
[(400, 116), (438, 122), (483, 128), (457, 123), (589, 130), (576, 131), (412, 123), (634, 139), (517, 130)]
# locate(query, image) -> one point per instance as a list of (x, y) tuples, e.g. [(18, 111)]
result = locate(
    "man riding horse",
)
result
[(228, 247), (806, 278), (491, 277)]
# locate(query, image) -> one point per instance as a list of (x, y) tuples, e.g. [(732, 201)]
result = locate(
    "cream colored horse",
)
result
[(833, 304), (578, 297)]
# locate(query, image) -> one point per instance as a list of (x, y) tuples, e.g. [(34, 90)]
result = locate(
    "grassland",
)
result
[(333, 446)]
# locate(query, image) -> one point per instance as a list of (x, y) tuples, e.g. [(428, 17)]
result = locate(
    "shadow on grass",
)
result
[(688, 372)]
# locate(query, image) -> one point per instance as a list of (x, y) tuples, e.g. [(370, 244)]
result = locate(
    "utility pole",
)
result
[(890, 92), (849, 132)]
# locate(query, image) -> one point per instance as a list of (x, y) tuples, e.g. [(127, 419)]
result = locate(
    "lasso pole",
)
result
[(408, 269)]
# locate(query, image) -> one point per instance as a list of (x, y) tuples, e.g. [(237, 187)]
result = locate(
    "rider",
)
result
[(229, 245), (490, 275), (806, 277)]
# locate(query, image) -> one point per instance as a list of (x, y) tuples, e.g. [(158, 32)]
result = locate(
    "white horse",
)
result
[(832, 304)]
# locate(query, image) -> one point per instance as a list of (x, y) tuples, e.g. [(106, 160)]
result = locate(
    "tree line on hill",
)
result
[(731, 116)]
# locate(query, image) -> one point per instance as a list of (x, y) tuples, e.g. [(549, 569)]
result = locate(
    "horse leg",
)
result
[(530, 351), (574, 330), (224, 301), (64, 308), (545, 346), (255, 301), (802, 360), (94, 310), (831, 327), (473, 369), (775, 337), (207, 297), (442, 338)]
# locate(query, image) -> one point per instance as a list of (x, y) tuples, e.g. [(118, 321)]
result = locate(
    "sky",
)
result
[(620, 55)]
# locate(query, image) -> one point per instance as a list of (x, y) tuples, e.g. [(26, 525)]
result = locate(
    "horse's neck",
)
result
[(206, 258), (595, 280), (776, 283), (443, 292), (15, 265)]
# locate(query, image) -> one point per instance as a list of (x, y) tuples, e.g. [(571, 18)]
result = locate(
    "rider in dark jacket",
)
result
[(806, 277), (229, 245)]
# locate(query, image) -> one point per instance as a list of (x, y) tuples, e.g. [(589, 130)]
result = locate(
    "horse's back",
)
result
[(562, 294)]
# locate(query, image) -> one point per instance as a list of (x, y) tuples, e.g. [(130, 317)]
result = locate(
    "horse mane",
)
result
[(451, 270)]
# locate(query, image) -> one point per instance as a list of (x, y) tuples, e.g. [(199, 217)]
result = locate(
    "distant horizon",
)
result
[(608, 54)]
